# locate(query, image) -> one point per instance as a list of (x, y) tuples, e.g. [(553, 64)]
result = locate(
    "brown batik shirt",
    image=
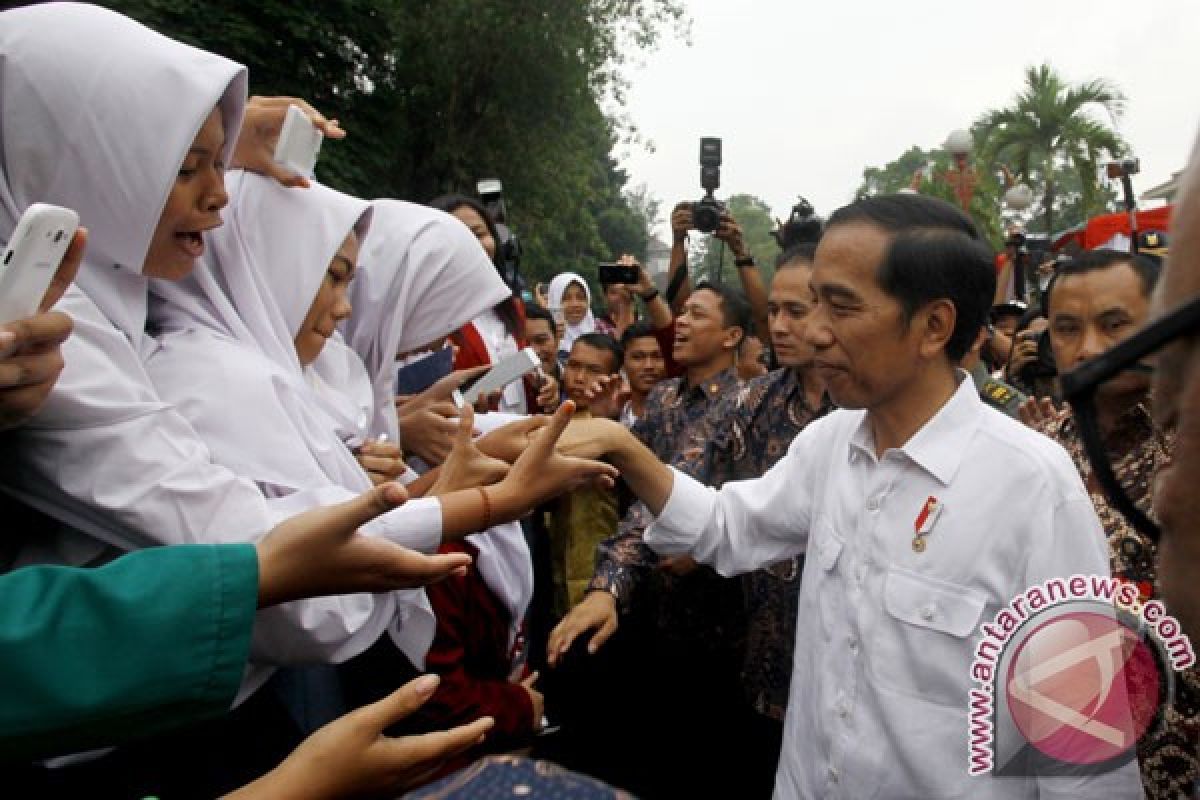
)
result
[(1167, 754)]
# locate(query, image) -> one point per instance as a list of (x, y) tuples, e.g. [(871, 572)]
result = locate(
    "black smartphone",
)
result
[(418, 376), (617, 273)]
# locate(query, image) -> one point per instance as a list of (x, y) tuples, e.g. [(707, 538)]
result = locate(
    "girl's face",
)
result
[(470, 217), (330, 306), (574, 304), (193, 206)]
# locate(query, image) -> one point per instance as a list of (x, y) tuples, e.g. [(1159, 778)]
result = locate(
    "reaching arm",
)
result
[(745, 525), (148, 642)]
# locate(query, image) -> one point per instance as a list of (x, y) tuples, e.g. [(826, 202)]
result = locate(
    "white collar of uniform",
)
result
[(941, 443)]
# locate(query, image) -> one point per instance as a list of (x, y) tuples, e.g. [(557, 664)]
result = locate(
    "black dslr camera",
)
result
[(508, 249), (706, 212)]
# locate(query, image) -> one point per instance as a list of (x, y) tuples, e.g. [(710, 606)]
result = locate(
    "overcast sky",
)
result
[(806, 94)]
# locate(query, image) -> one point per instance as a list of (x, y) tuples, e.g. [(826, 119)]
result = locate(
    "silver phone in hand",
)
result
[(501, 375)]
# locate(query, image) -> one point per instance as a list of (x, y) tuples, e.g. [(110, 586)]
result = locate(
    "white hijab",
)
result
[(554, 295), (97, 113), (231, 325), (421, 275)]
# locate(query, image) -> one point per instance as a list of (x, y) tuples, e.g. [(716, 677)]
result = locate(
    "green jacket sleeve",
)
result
[(91, 657)]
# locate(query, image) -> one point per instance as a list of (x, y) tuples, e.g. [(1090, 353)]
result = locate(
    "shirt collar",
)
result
[(941, 444), (714, 386), (790, 383)]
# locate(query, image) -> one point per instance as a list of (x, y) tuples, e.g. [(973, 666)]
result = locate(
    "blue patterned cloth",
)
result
[(514, 777)]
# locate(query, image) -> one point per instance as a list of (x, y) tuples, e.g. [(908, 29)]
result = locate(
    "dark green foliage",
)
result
[(436, 95)]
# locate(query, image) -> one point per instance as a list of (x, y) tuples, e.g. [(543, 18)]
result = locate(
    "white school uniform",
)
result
[(226, 357), (97, 113), (422, 275)]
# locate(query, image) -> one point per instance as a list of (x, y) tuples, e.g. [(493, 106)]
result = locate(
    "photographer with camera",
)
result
[(728, 231), (1031, 367), (709, 215), (622, 281)]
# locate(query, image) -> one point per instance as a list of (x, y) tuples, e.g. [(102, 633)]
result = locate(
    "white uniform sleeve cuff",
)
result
[(416, 525), (687, 513)]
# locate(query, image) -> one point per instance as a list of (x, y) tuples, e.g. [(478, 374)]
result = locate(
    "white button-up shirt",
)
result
[(886, 634)]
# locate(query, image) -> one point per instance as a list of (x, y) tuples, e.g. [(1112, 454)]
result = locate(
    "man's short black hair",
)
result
[(735, 309), (1093, 260), (534, 311), (936, 252), (602, 341), (797, 253), (642, 329)]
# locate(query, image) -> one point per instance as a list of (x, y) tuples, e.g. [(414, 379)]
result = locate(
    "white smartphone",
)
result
[(502, 374), (31, 258), (299, 143)]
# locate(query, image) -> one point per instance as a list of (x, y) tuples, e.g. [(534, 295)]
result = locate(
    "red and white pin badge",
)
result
[(923, 524)]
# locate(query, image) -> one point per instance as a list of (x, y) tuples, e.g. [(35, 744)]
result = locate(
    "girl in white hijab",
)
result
[(574, 308), (132, 130), (422, 274), (247, 325)]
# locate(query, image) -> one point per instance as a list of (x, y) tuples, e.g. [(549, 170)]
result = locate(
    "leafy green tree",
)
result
[(1049, 129), (436, 96), (926, 168)]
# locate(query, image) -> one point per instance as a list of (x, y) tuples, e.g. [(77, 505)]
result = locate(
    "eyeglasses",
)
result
[(1080, 384)]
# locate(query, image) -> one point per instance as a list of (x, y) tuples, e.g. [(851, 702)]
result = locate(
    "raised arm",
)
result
[(745, 525)]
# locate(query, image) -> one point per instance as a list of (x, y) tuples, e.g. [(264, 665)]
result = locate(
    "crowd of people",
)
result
[(724, 541)]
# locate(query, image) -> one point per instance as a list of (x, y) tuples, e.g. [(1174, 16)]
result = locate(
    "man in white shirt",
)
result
[(891, 600)]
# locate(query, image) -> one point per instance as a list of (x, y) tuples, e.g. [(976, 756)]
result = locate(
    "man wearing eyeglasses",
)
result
[(1095, 301)]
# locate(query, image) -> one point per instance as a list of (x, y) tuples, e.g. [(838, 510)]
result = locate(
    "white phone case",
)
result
[(31, 258), (504, 373), (299, 143)]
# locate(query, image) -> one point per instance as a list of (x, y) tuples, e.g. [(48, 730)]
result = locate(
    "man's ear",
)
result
[(733, 337), (936, 323)]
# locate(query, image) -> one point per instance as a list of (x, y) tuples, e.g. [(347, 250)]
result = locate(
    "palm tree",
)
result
[(1050, 128)]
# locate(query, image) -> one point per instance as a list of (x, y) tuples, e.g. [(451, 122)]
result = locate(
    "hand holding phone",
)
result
[(33, 257), (501, 375), (618, 273), (299, 143)]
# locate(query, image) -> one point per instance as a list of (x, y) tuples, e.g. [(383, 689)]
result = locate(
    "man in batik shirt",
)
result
[(769, 413), (1094, 302), (686, 674)]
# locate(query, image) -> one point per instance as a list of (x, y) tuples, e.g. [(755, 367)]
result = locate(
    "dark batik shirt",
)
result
[(1167, 753), (678, 423), (769, 413)]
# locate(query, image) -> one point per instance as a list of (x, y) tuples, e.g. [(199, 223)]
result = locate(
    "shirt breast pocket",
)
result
[(821, 562), (923, 648)]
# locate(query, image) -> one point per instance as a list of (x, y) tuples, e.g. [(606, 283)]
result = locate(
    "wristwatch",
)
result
[(747, 261)]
